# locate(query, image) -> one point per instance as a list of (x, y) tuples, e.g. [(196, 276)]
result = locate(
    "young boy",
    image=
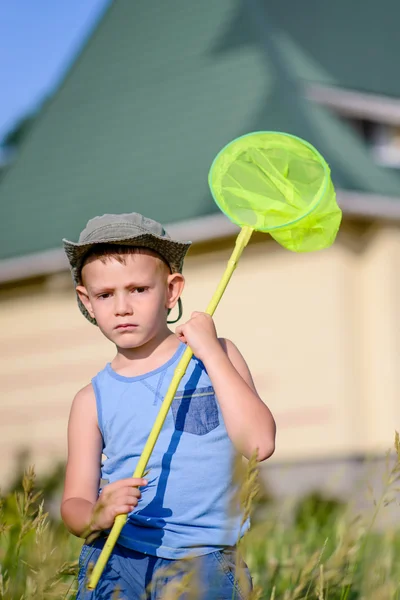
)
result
[(127, 272)]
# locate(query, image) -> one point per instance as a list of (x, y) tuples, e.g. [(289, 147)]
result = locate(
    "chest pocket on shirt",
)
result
[(195, 411)]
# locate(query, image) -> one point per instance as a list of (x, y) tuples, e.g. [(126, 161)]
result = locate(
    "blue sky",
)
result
[(38, 40)]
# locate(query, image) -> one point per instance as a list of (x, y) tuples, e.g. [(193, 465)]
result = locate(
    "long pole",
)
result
[(241, 242)]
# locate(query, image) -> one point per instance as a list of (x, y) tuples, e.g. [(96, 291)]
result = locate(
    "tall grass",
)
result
[(340, 557), (321, 550), (37, 557)]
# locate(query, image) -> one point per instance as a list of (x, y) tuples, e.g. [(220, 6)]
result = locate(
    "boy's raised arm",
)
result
[(249, 422)]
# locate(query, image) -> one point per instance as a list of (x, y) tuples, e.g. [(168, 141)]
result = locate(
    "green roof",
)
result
[(157, 92), (346, 43)]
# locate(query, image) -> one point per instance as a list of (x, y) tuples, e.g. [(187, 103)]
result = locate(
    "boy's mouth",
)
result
[(125, 326)]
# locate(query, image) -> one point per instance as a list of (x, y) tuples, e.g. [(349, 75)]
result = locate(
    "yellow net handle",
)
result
[(241, 242)]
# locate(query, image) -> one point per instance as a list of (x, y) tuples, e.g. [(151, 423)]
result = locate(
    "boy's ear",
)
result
[(84, 298), (176, 283)]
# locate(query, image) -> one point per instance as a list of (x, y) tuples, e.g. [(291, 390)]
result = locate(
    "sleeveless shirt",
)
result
[(189, 506)]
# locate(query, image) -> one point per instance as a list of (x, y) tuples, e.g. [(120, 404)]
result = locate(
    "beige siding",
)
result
[(319, 331)]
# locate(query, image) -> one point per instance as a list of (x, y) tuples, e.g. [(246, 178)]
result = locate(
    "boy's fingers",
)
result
[(179, 333), (126, 495), (123, 509), (139, 481), (132, 482)]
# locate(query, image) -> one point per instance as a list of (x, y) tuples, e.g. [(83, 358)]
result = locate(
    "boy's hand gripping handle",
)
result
[(241, 242)]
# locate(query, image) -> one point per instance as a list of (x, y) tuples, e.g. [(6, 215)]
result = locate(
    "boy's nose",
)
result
[(123, 306)]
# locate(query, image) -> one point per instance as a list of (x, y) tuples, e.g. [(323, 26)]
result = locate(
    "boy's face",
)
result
[(129, 300)]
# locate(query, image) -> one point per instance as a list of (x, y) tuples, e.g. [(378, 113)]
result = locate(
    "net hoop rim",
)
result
[(315, 202)]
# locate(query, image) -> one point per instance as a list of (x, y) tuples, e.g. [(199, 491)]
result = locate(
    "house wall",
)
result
[(319, 331)]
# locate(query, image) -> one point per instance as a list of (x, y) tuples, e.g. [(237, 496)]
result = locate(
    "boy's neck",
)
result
[(132, 362)]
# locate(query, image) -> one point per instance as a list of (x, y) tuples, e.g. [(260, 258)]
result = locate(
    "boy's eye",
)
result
[(104, 296), (139, 290)]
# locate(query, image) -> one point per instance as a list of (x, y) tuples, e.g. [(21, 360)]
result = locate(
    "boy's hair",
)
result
[(118, 252)]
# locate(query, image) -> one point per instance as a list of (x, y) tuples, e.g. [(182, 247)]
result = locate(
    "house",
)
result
[(153, 96)]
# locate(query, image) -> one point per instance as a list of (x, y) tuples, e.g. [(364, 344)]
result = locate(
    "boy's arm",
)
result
[(83, 467), (248, 420), (82, 510)]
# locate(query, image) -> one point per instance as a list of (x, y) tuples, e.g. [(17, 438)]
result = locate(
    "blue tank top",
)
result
[(188, 506)]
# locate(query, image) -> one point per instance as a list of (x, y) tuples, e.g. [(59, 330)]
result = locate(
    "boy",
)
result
[(127, 273)]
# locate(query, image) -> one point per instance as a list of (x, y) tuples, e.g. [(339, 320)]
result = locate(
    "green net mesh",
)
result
[(277, 183)]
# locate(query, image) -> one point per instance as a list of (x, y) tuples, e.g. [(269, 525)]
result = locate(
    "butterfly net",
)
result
[(280, 184)]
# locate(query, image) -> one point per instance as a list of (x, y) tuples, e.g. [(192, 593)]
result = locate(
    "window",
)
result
[(375, 118)]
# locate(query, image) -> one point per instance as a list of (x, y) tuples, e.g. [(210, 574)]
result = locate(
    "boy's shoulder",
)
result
[(230, 348), (237, 359), (84, 399), (86, 392), (226, 344), (83, 413)]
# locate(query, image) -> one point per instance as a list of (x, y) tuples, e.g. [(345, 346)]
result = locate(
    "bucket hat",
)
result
[(130, 229)]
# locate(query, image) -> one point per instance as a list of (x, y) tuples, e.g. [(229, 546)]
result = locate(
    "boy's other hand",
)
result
[(118, 498), (200, 334)]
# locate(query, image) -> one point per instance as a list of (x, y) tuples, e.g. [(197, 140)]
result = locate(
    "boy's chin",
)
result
[(128, 344), (128, 341)]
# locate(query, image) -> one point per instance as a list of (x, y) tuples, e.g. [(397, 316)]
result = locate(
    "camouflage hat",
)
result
[(126, 229)]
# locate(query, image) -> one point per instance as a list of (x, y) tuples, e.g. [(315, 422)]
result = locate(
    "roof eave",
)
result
[(352, 103), (201, 229)]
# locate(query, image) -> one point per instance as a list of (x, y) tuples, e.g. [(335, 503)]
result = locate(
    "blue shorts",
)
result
[(131, 575)]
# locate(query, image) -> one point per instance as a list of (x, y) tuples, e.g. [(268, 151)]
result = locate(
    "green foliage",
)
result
[(319, 510), (325, 551), (318, 551), (49, 483), (37, 558)]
